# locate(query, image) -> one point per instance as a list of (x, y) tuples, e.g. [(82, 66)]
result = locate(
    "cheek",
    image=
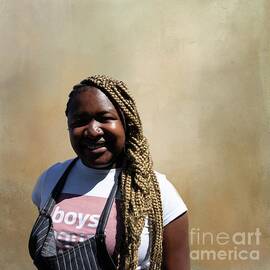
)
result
[(74, 136), (118, 137), (122, 138)]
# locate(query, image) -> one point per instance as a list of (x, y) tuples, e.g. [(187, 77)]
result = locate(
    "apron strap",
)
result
[(48, 207), (60, 184), (103, 220)]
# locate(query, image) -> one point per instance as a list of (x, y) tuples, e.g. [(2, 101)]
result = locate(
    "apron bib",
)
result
[(91, 254)]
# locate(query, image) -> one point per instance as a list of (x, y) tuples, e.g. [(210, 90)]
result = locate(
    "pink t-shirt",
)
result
[(78, 208)]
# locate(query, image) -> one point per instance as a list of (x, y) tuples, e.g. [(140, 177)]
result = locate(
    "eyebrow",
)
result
[(79, 114)]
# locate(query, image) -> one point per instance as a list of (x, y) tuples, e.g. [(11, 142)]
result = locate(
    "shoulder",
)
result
[(172, 203), (47, 181), (57, 169)]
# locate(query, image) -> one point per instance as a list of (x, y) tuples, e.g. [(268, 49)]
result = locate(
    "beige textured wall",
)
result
[(200, 73)]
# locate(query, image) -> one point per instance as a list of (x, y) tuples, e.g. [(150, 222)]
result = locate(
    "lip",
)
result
[(98, 150), (95, 147)]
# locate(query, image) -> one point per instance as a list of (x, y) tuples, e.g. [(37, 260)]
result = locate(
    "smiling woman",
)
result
[(110, 184), (95, 128)]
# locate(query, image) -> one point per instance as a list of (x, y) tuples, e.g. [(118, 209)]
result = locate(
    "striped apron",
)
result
[(91, 254)]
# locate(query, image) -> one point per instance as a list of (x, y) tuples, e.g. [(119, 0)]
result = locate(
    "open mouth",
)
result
[(94, 145)]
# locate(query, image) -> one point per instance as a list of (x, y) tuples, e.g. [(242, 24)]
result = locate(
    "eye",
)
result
[(105, 118), (78, 122)]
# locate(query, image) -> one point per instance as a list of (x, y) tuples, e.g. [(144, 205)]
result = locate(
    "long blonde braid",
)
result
[(139, 186)]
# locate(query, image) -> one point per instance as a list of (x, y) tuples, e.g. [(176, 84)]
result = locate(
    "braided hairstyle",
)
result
[(139, 187)]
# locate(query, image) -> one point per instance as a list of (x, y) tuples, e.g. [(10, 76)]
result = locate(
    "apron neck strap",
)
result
[(48, 207), (103, 220), (61, 182)]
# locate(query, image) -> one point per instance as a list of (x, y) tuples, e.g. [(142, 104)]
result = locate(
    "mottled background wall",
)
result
[(200, 73)]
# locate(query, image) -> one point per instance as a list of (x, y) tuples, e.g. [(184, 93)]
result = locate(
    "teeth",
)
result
[(94, 146)]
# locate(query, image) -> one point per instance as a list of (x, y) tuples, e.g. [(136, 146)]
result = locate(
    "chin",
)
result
[(98, 164), (102, 166)]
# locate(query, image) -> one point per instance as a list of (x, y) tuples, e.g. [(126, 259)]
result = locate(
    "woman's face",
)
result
[(95, 129)]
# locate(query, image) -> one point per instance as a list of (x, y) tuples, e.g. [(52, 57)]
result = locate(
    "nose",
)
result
[(93, 130)]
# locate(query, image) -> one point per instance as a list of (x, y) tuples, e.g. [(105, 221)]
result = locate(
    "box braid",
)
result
[(139, 186)]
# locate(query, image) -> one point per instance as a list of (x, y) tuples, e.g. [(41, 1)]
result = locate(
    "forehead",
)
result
[(91, 99)]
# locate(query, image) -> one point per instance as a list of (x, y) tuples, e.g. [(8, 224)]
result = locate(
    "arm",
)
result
[(176, 244)]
